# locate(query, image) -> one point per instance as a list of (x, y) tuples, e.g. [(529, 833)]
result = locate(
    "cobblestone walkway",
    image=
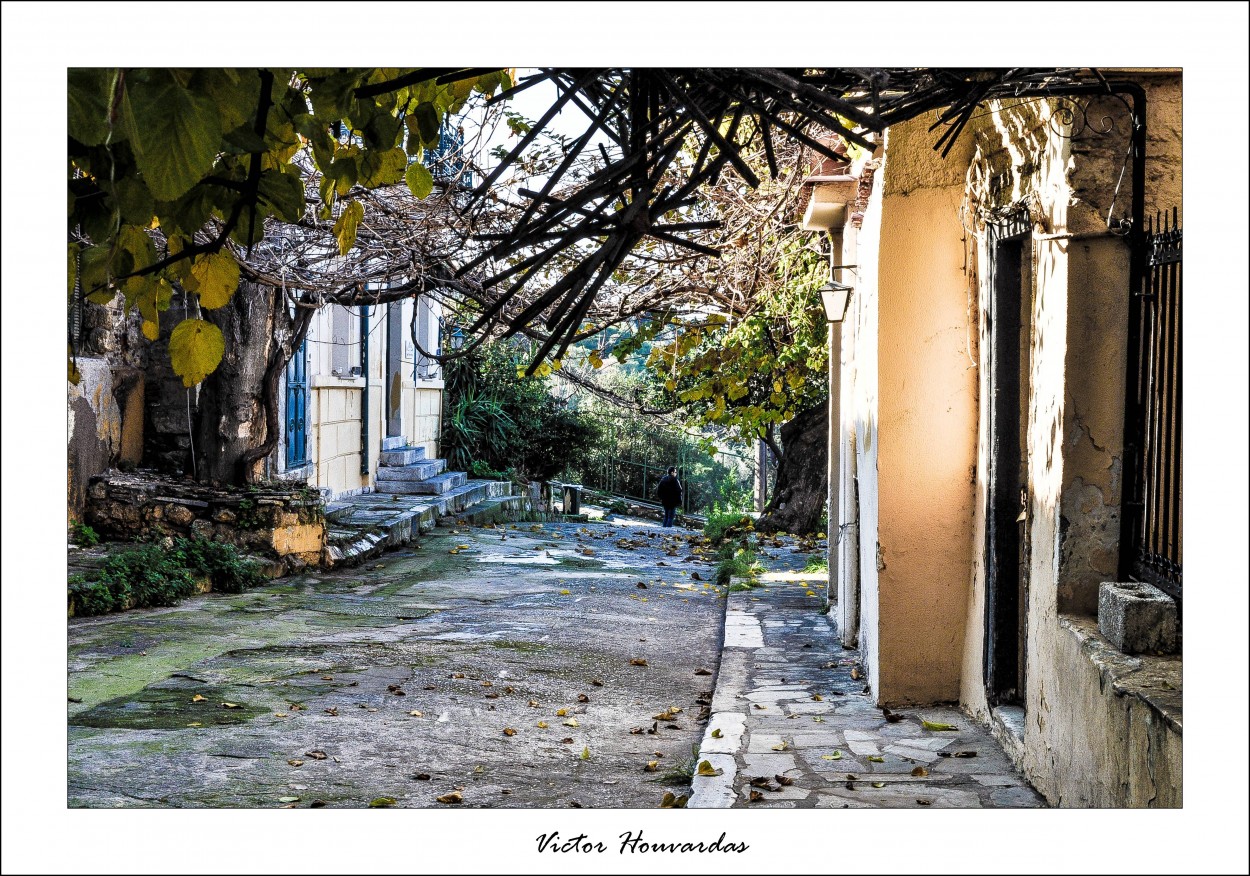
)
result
[(792, 727)]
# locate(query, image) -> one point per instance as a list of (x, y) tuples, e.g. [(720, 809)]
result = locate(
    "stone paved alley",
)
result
[(402, 680)]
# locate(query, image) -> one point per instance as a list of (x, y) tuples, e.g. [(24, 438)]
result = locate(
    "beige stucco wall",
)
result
[(425, 416), (926, 426)]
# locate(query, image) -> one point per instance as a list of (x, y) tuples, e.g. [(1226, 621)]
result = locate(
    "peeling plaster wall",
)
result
[(926, 439), (861, 410), (1086, 742)]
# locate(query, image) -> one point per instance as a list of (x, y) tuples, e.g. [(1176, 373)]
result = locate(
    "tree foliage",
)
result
[(176, 174), (493, 418)]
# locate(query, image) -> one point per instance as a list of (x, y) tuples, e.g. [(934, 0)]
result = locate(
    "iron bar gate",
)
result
[(1153, 489)]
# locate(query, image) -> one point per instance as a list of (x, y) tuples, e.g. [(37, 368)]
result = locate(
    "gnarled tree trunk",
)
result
[(802, 474), (238, 406)]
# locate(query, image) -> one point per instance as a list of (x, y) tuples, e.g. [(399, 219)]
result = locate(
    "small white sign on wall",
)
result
[(410, 351)]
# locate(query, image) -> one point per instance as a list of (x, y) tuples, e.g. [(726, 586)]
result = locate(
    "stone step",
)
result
[(401, 456), (495, 510), (398, 442), (434, 486), (418, 471)]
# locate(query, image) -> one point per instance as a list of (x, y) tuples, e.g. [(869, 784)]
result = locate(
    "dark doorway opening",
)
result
[(394, 369), (1006, 549)]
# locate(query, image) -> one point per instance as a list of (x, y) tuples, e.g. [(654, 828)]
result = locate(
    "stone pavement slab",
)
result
[(792, 704)]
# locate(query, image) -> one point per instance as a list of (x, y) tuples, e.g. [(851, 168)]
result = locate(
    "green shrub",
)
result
[(742, 563), (721, 525), (83, 535), (618, 506), (220, 562), (150, 575)]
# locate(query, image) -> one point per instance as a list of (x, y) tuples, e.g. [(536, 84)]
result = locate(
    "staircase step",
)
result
[(398, 442), (435, 486), (402, 456), (418, 471)]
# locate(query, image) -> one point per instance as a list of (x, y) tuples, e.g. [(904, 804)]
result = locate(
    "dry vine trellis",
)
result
[(540, 265)]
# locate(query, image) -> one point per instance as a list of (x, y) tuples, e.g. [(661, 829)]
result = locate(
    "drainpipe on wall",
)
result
[(364, 399)]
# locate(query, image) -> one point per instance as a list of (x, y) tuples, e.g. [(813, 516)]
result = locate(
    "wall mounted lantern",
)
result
[(835, 297)]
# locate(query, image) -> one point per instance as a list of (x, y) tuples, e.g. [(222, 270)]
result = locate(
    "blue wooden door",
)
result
[(297, 408)]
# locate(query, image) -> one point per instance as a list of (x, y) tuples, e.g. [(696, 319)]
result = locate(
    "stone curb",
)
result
[(742, 635)]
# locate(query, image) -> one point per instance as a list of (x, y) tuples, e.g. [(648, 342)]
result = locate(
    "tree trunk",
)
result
[(802, 475), (238, 414)]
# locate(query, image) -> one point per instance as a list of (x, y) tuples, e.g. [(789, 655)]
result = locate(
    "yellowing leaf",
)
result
[(706, 769), (417, 713), (346, 225), (198, 698), (231, 706), (875, 759), (216, 278), (560, 713), (542, 725), (716, 734), (837, 755), (453, 797), (195, 350), (586, 753), (652, 766), (780, 746), (937, 725), (508, 731), (920, 772), (571, 722), (381, 802)]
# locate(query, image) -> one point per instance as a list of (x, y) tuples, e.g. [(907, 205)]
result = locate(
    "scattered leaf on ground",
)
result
[(567, 740), (703, 672), (716, 734), (288, 799), (780, 746), (672, 801), (296, 763), (316, 754), (637, 661), (586, 753), (875, 759), (230, 706), (560, 713), (198, 698), (855, 673), (533, 704), (666, 715), (422, 777), (878, 784), (317, 804), (564, 593), (571, 722), (937, 725), (508, 731), (417, 713), (756, 796), (837, 755), (381, 802), (281, 715), (542, 725), (652, 766), (922, 802), (596, 682), (706, 769), (453, 797), (332, 711), (920, 771), (784, 781), (582, 698)]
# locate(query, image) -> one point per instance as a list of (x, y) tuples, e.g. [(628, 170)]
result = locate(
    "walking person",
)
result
[(669, 494)]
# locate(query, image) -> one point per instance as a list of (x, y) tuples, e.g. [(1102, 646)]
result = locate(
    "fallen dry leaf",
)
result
[(875, 759), (316, 754), (666, 715), (920, 772), (818, 698), (417, 713), (508, 731), (780, 746), (756, 796), (586, 753), (783, 780), (923, 802), (937, 725), (453, 797), (637, 661), (652, 766), (382, 802), (422, 777), (716, 734), (571, 722), (231, 706), (878, 784), (533, 704), (706, 769), (281, 715), (327, 678), (837, 755), (855, 673), (596, 682), (671, 801), (567, 740), (582, 698), (560, 713), (198, 698), (296, 763), (703, 672)]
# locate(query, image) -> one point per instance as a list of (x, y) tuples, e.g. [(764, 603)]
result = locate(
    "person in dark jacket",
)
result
[(669, 494)]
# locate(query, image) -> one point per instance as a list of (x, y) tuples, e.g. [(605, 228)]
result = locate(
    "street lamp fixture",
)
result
[(835, 297)]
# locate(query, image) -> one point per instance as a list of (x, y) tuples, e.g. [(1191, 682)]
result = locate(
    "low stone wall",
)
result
[(278, 521)]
